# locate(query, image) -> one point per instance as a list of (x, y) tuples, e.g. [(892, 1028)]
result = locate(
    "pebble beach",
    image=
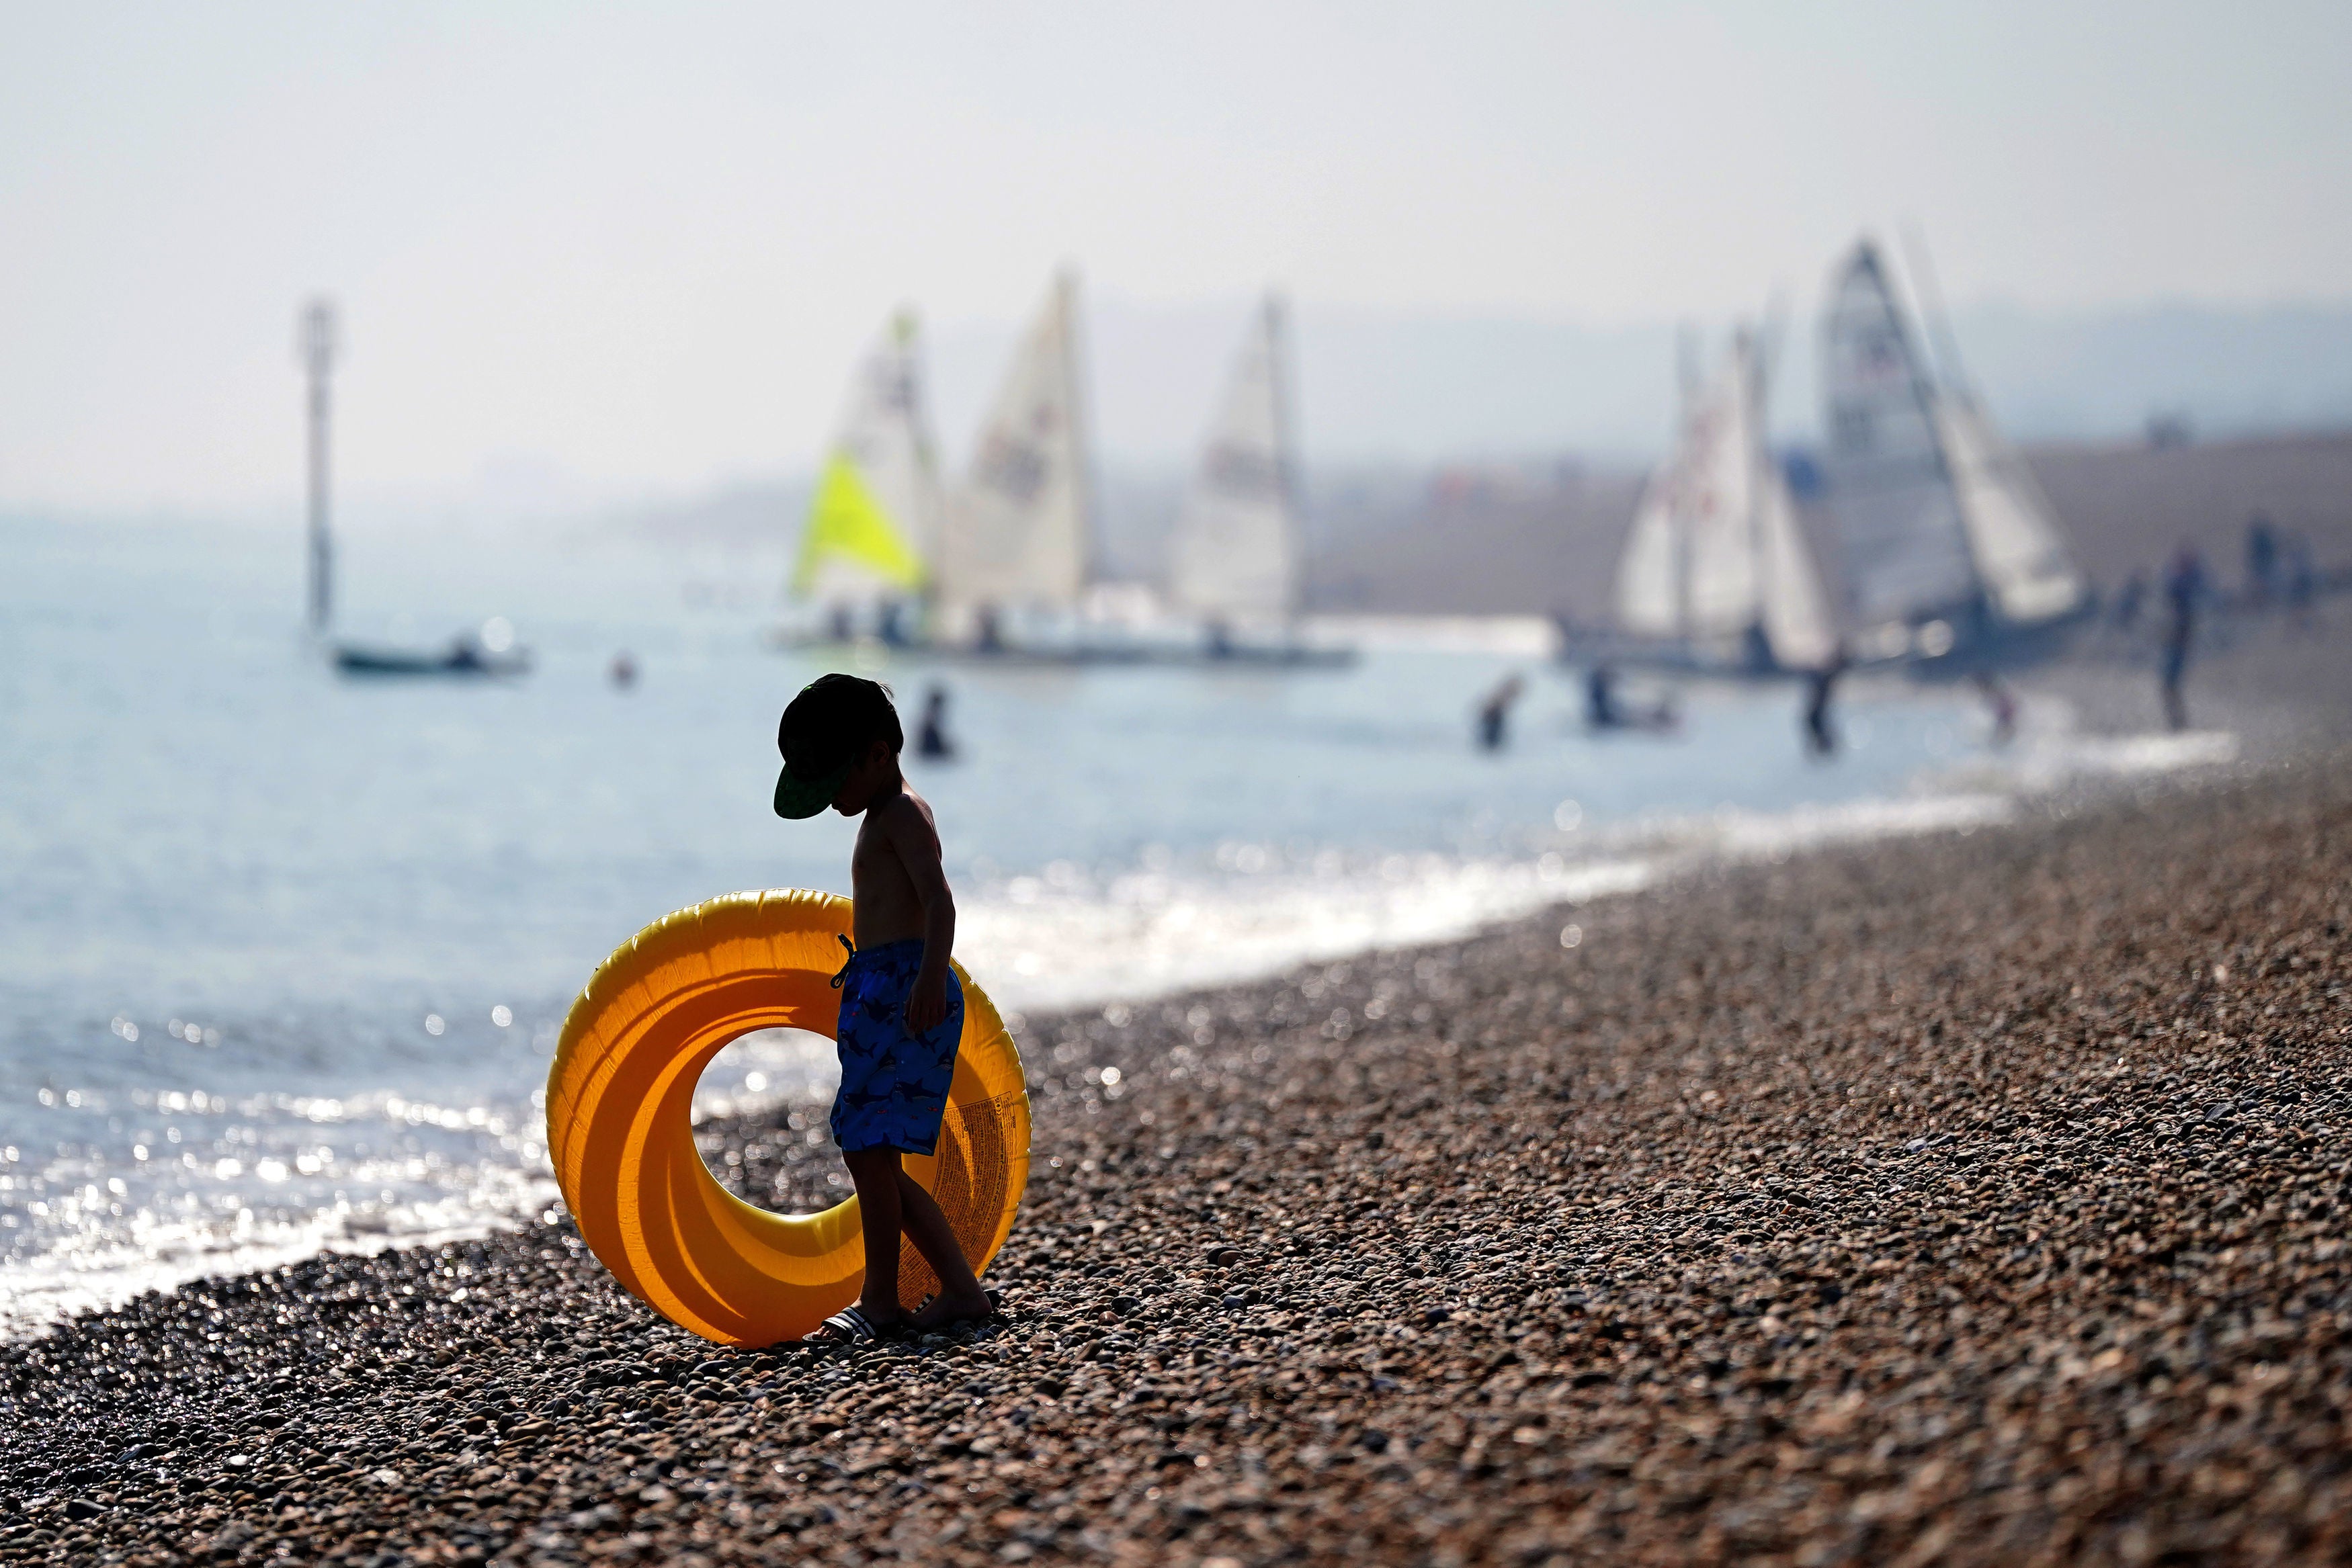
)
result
[(1970, 1198)]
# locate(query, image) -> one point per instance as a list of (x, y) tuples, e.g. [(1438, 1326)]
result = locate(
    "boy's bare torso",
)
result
[(888, 908)]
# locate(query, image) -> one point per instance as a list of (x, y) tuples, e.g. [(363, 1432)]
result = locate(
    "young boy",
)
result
[(901, 1010)]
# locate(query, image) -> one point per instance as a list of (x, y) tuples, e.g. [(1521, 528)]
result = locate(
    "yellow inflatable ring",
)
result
[(621, 1136)]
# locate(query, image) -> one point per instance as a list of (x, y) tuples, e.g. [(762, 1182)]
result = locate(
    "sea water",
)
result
[(283, 954)]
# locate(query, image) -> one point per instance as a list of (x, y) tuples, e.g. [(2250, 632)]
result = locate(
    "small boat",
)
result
[(873, 525), (1234, 559), (464, 657), (1716, 577), (1017, 546)]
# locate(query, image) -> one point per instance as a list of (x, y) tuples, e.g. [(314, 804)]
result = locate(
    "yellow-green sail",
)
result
[(846, 523)]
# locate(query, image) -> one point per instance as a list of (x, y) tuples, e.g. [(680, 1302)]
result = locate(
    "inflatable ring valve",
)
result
[(620, 1127)]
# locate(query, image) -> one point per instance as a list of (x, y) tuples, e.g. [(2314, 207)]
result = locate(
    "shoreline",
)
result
[(318, 1067), (1426, 905), (1963, 1197)]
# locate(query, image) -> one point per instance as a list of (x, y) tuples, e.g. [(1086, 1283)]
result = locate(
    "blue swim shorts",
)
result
[(894, 1085)]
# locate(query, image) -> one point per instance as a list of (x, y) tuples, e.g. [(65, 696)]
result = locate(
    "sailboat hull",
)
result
[(1720, 658), (1146, 657), (1276, 656), (1932, 650), (464, 664), (2001, 647)]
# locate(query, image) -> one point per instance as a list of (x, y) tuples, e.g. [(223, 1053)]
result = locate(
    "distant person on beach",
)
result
[(1605, 711), (2262, 559), (2127, 601), (2184, 588), (1820, 691), (1494, 714), (931, 741), (2002, 705), (2302, 583), (1600, 698), (901, 1008)]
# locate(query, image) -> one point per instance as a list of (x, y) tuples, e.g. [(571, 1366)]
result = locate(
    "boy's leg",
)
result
[(960, 1297), (879, 1182)]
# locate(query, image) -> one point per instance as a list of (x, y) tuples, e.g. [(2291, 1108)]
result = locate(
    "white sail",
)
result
[(1235, 550), (2011, 531), (1685, 567), (1717, 504), (1017, 531), (1792, 606), (1905, 553), (874, 522), (1649, 569), (1715, 551)]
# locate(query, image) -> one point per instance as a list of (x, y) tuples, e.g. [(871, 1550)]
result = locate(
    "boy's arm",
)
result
[(918, 850)]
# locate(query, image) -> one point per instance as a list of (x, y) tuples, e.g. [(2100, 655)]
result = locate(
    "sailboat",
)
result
[(873, 525), (1235, 558), (1018, 544), (1716, 575), (1948, 550)]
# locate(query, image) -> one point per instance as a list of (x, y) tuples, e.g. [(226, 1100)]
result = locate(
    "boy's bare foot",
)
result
[(945, 1311)]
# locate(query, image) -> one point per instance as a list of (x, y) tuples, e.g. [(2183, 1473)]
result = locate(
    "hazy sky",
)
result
[(643, 245)]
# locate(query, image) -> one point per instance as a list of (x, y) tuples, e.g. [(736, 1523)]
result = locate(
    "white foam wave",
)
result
[(99, 1267), (1151, 933)]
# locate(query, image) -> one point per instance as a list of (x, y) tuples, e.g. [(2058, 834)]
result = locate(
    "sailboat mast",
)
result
[(1931, 306), (1082, 478), (1285, 451), (318, 349), (1690, 377), (1679, 459), (1948, 389), (1752, 354)]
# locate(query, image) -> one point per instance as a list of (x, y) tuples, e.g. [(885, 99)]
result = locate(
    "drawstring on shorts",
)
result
[(852, 946)]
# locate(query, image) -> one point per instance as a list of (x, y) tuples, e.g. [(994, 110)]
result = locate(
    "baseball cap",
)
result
[(823, 730)]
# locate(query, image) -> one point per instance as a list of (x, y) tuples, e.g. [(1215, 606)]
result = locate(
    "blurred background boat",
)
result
[(1716, 576), (1234, 555), (873, 524), (1949, 555), (491, 652)]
